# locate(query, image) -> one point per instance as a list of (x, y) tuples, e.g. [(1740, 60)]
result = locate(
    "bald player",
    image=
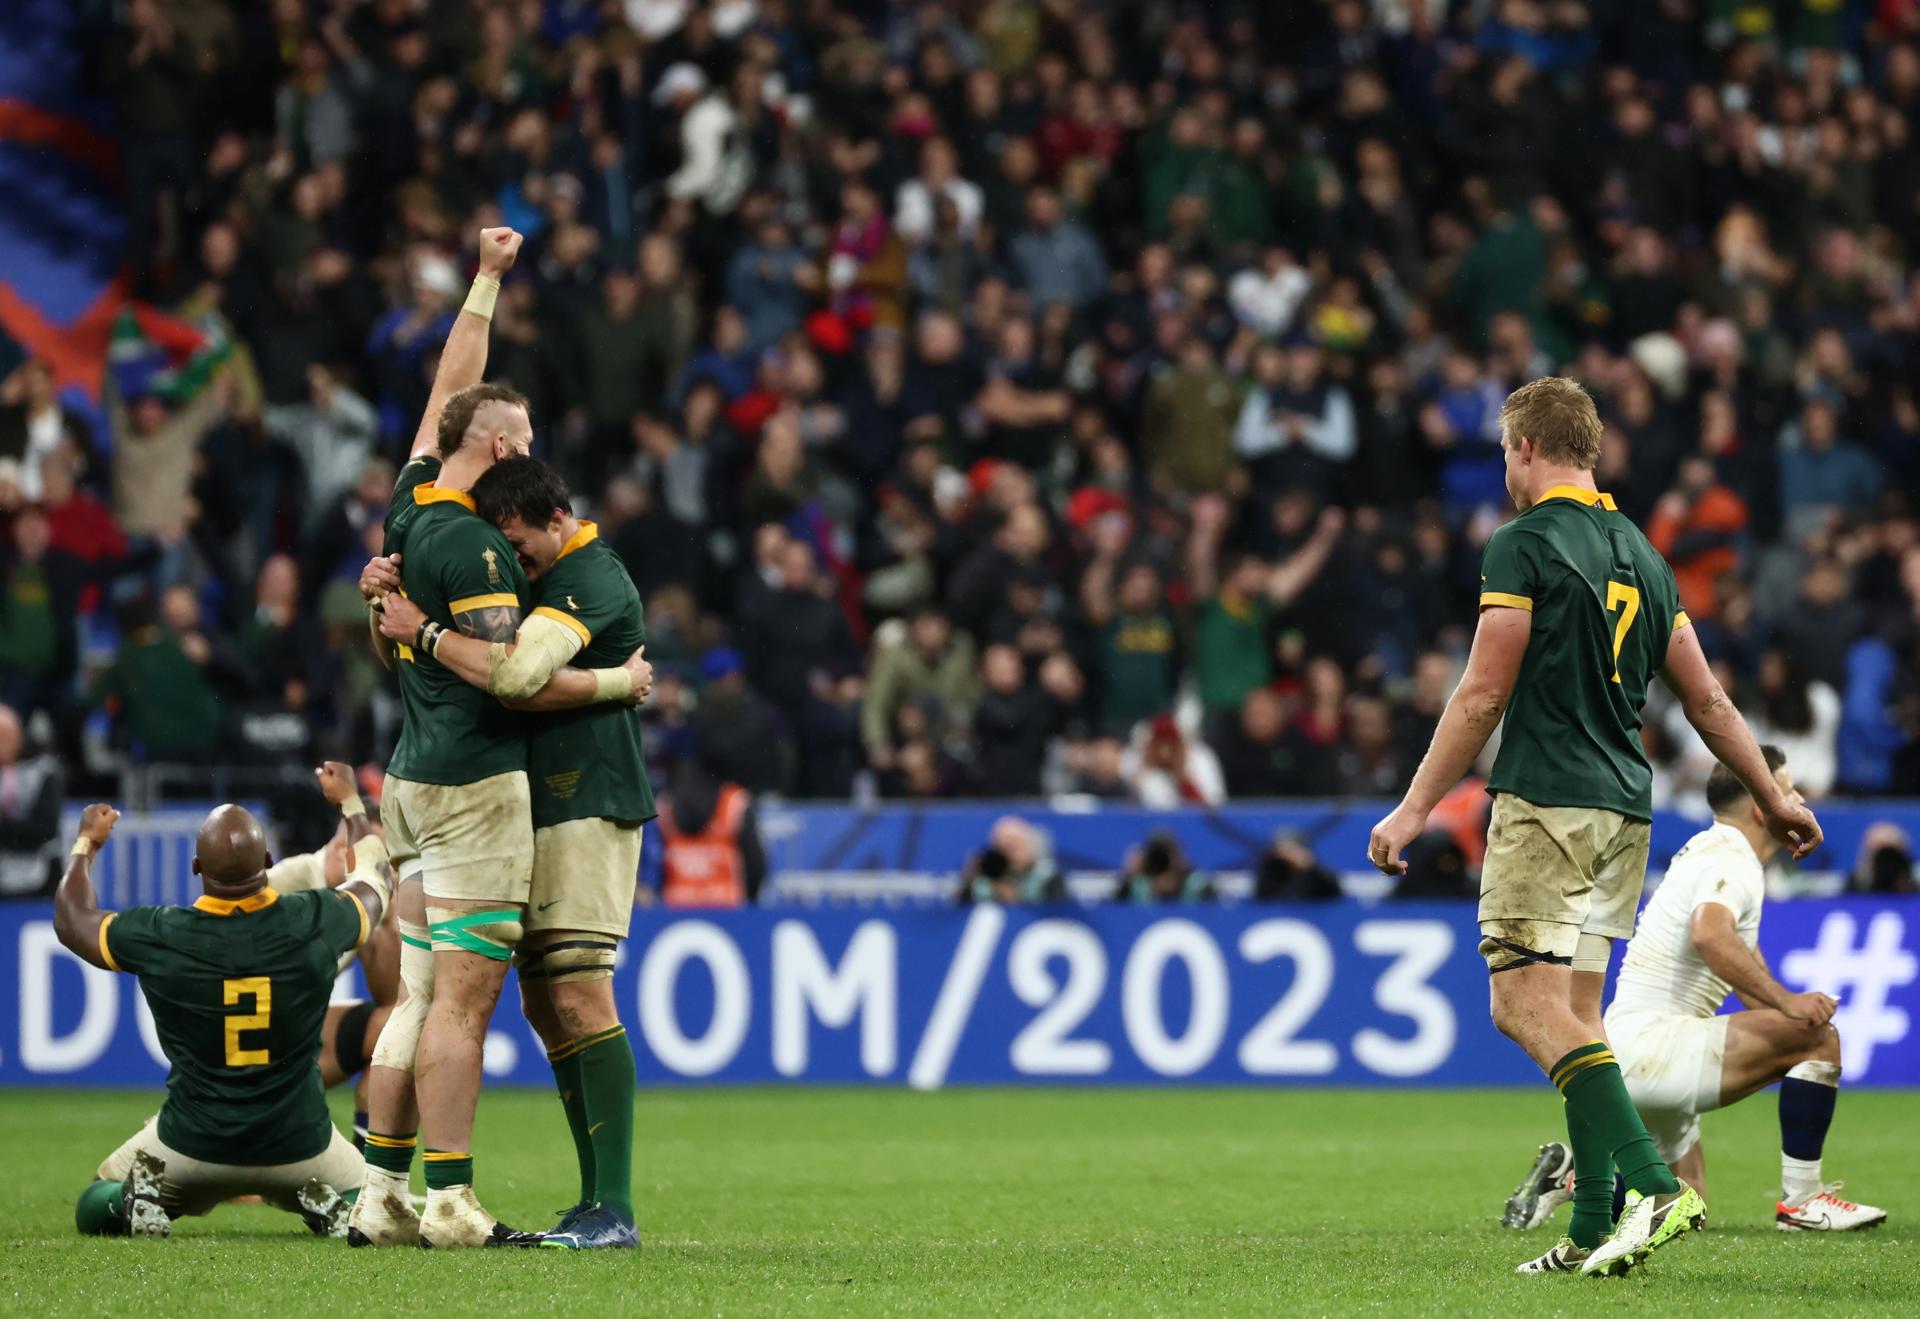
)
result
[(238, 985)]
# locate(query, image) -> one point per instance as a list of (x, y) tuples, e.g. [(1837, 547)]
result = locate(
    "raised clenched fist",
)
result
[(498, 248), (96, 824)]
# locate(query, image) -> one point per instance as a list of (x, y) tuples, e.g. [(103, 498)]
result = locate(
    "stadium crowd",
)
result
[(999, 397)]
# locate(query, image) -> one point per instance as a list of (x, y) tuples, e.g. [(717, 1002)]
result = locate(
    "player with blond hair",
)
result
[(1578, 613)]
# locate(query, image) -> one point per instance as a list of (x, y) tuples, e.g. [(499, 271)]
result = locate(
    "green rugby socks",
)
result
[(566, 1079), (392, 1152), (447, 1169), (1597, 1098), (607, 1085), (1592, 1185)]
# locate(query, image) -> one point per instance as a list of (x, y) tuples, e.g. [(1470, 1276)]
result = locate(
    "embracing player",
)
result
[(238, 985), (590, 797), (1577, 614), (1699, 940), (456, 802)]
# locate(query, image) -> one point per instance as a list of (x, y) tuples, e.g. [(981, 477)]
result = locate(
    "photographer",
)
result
[(1160, 872), (1014, 870)]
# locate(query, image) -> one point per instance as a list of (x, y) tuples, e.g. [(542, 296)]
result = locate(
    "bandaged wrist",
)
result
[(480, 298), (611, 684), (352, 806), (82, 846)]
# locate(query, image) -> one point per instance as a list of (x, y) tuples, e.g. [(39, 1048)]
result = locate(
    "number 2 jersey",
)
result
[(239, 991), (1604, 606)]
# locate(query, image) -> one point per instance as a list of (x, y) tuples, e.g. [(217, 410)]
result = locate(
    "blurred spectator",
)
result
[(1169, 769), (1822, 474), (1800, 715), (740, 737), (1014, 869), (164, 706), (711, 854), (1158, 872), (1698, 527), (1261, 756), (30, 795), (35, 425), (924, 662), (1290, 872), (333, 433), (1137, 641)]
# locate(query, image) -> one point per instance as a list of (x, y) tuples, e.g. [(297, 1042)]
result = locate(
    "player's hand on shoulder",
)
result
[(1400, 827), (1793, 827), (498, 247), (336, 781), (1815, 1009), (401, 619), (96, 823), (642, 674), (380, 578)]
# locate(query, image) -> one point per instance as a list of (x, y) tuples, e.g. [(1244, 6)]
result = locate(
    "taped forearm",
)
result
[(540, 649)]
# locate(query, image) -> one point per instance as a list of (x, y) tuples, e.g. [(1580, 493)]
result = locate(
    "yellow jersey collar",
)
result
[(266, 897), (588, 531), (429, 493), (1580, 495)]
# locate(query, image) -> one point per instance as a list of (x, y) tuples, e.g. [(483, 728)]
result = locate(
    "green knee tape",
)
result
[(462, 933)]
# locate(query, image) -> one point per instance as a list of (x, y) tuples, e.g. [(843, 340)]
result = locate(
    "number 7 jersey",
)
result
[(239, 993), (1604, 606)]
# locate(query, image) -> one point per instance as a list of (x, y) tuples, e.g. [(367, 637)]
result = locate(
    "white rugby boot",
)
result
[(1823, 1211)]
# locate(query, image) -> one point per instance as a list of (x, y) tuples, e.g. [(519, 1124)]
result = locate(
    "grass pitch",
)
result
[(1068, 1202)]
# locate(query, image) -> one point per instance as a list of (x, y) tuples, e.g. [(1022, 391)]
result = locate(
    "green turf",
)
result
[(1015, 1201)]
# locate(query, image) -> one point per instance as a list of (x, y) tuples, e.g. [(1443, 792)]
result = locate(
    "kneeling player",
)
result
[(590, 798), (1698, 939), (238, 985)]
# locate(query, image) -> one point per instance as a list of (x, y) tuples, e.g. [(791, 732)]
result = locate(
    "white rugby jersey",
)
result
[(1663, 974)]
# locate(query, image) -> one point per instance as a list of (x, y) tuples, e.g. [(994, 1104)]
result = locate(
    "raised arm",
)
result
[(1472, 713), (371, 880), (77, 917), (1713, 715), (1719, 944), (528, 669), (463, 361)]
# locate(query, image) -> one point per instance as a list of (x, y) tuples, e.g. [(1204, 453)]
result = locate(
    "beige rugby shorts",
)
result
[(191, 1186), (584, 873), (469, 842), (1554, 872)]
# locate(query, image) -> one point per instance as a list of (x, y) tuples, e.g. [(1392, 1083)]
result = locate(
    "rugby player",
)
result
[(238, 985), (590, 797), (1699, 940), (348, 1034), (1577, 614), (456, 801)]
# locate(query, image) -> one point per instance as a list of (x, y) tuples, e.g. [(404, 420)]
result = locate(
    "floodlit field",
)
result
[(994, 1201)]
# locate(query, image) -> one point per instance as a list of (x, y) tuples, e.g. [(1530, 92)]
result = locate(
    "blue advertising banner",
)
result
[(1341, 994)]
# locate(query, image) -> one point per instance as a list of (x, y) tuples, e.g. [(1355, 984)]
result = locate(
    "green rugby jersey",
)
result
[(586, 763), (1604, 605), (239, 993), (451, 561)]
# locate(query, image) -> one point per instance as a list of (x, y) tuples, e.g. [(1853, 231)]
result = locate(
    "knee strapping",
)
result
[(1816, 1070), (1592, 953), (1517, 956), (401, 1034), (490, 934), (570, 960)]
